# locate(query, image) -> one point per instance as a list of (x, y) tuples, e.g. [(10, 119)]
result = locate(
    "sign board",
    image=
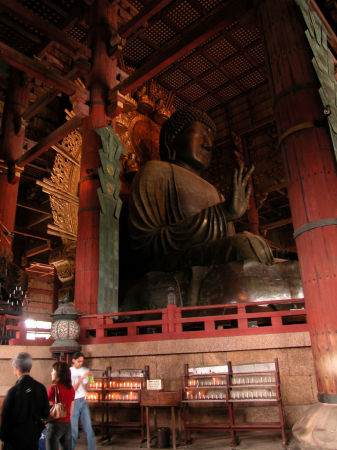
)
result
[(207, 370), (153, 385)]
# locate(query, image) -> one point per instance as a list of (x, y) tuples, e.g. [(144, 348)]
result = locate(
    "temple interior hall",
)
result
[(168, 207)]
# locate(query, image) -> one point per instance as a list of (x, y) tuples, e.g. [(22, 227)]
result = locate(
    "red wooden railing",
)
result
[(13, 331), (174, 322), (195, 322)]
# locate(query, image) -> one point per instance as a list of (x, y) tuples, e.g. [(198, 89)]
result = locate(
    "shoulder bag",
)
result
[(58, 410)]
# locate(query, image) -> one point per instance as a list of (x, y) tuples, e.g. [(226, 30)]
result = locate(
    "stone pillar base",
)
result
[(318, 427)]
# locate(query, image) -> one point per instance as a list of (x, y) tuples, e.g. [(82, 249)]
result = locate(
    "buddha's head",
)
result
[(187, 138)]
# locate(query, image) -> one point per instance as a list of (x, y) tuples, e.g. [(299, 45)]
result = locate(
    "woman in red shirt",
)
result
[(59, 430)]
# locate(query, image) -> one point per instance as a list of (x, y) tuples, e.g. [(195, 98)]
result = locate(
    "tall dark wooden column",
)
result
[(312, 182), (13, 134), (102, 25)]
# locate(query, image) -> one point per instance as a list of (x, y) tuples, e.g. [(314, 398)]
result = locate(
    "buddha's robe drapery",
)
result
[(177, 219)]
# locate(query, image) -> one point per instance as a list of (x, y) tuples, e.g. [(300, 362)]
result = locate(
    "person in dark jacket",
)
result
[(24, 407)]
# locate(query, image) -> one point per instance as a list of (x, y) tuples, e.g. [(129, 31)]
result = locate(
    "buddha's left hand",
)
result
[(237, 203)]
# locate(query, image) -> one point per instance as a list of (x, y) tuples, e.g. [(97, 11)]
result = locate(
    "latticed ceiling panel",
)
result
[(175, 79), (78, 32), (214, 79), (50, 12), (221, 50), (182, 14), (159, 33), (251, 80), (257, 53), (196, 64), (208, 102), (245, 35), (193, 92), (228, 92), (136, 50), (237, 66), (209, 5), (179, 103)]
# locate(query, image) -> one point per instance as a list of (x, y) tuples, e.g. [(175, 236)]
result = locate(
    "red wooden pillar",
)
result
[(312, 181), (102, 25), (13, 134)]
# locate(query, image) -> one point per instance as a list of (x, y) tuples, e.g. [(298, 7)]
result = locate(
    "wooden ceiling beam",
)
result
[(141, 19), (31, 208), (51, 31), (188, 41), (40, 220), (37, 167), (49, 141), (48, 97), (20, 30), (59, 149), (39, 104), (32, 234), (39, 70), (38, 250), (277, 224)]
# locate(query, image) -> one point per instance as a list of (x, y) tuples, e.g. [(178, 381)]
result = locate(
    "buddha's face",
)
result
[(193, 147)]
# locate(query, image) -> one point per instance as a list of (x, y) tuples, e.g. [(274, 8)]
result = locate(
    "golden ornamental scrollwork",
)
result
[(62, 187)]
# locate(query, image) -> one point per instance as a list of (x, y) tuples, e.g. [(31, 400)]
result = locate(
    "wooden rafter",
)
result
[(31, 233), (49, 141), (51, 31), (19, 29), (46, 98), (38, 250), (141, 19), (59, 149), (276, 224), (39, 70), (40, 220), (31, 208)]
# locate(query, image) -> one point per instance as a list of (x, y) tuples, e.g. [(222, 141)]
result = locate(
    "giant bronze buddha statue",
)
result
[(179, 220)]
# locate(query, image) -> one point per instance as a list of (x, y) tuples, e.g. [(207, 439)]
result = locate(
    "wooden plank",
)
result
[(39, 70), (49, 29)]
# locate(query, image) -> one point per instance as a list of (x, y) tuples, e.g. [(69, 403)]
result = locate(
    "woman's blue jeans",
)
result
[(81, 412)]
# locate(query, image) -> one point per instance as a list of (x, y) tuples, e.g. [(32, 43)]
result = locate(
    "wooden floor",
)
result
[(201, 441)]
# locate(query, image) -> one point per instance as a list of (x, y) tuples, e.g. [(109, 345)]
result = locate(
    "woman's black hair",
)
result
[(63, 374)]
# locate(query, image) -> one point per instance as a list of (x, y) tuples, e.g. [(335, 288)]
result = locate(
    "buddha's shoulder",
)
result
[(156, 164), (156, 167)]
